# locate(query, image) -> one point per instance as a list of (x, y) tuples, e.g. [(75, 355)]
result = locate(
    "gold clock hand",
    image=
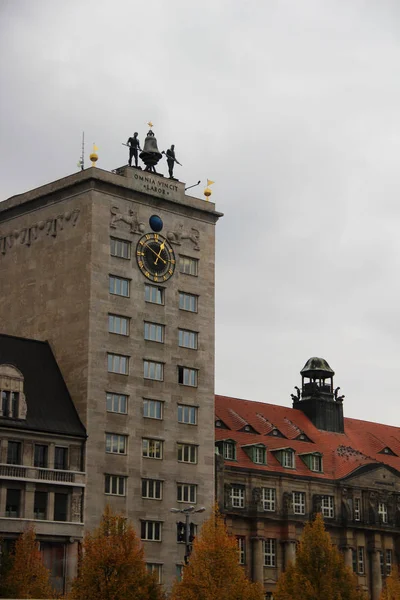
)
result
[(154, 252), (159, 254)]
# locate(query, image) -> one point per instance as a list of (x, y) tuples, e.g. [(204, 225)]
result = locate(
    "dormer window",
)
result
[(227, 448), (387, 451), (247, 428), (286, 457), (313, 461), (256, 452), (218, 423), (9, 403), (12, 397)]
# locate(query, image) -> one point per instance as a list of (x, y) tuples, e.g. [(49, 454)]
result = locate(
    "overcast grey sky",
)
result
[(293, 108)]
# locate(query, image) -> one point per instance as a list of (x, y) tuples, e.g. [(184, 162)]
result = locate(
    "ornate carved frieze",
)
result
[(130, 219), (48, 227), (176, 237)]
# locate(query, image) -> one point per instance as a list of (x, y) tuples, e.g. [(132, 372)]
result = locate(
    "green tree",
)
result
[(214, 572), (112, 566), (319, 572), (391, 590), (27, 577)]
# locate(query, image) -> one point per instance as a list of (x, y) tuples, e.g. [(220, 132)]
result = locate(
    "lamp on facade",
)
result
[(190, 510)]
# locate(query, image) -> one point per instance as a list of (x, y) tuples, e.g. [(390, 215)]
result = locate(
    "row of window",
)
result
[(153, 332), (157, 570), (122, 249), (151, 531), (152, 489), (40, 459), (152, 409), (268, 550), (40, 505), (119, 363), (151, 448), (155, 294)]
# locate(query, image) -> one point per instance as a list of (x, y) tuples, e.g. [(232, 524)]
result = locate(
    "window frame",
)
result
[(116, 437), (271, 501), (189, 410), (148, 297), (229, 447), (186, 490), (299, 503), (269, 552), (258, 451), (188, 376), (153, 452), (113, 399), (156, 568), (183, 296), (148, 363), (114, 320), (191, 449), (238, 496), (188, 265), (156, 328), (116, 243), (110, 479), (360, 560), (357, 509), (145, 527), (112, 289), (328, 510), (316, 458), (14, 457), (121, 359), (191, 336), (285, 454), (383, 512), (150, 485), (147, 402), (241, 543), (38, 461), (388, 561)]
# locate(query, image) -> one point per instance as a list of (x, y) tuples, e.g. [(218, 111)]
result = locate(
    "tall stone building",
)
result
[(116, 271), (277, 466)]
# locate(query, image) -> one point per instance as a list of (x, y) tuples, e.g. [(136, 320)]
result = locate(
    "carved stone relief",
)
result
[(176, 237), (130, 219)]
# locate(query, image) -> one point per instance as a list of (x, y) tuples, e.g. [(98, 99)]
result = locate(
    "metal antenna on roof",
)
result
[(81, 162)]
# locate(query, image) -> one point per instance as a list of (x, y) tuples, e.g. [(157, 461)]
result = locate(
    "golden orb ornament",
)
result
[(94, 156)]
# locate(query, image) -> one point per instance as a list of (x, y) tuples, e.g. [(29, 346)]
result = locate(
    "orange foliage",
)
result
[(392, 589), (27, 576), (214, 572), (112, 566)]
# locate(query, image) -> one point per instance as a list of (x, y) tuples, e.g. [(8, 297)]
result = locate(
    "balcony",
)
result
[(53, 528), (71, 478)]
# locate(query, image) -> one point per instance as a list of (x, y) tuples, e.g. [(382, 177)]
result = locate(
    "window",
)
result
[(237, 496), (154, 294), (357, 509), (60, 507), (120, 248), (389, 561), (186, 492), (9, 403), (156, 569), (187, 414), (40, 458), (118, 324), (327, 507), (259, 455), (382, 511), (114, 485), (153, 370), (229, 450), (150, 531), (119, 286), (154, 332), (269, 547), (117, 403), (382, 562), (188, 339), (40, 505), (152, 409), (299, 503), (13, 503), (360, 555), (115, 444), (188, 302), (181, 532), (152, 448), (354, 559), (187, 453), (117, 363), (288, 459), (61, 458), (316, 463), (188, 265), (187, 376), (241, 542), (268, 499), (152, 489), (14, 453), (179, 572)]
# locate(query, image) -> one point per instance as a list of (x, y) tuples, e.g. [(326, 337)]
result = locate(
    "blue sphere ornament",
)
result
[(156, 223)]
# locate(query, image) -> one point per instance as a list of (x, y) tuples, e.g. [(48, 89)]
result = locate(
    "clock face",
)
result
[(155, 257)]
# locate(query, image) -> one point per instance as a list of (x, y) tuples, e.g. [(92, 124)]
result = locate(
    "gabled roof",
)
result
[(50, 407), (343, 453)]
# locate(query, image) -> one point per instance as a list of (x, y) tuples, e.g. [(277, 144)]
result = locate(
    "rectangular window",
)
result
[(60, 507), (187, 453), (354, 559), (299, 503), (118, 324), (241, 542), (13, 503), (117, 403), (357, 509), (360, 555), (150, 531), (61, 458), (189, 266), (40, 505), (389, 561), (179, 572), (119, 286), (269, 552), (152, 489), (188, 302), (115, 444), (114, 485), (14, 453), (187, 376), (40, 459), (9, 403), (237, 496), (229, 450), (153, 370), (156, 569), (154, 294), (152, 409), (268, 499), (188, 339), (382, 562), (288, 459), (186, 492), (316, 463), (187, 414), (259, 455), (117, 363), (154, 332), (152, 448), (120, 248), (383, 512), (327, 507)]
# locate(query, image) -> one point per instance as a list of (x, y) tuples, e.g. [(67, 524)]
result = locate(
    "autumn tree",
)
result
[(27, 577), (319, 572), (112, 566), (213, 572), (391, 590)]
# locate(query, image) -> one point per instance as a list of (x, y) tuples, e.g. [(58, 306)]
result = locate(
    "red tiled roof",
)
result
[(361, 444)]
